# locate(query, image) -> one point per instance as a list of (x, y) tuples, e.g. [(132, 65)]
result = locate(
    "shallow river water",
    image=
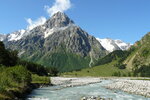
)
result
[(76, 93)]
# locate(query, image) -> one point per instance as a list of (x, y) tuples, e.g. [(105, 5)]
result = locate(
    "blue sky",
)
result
[(127, 20)]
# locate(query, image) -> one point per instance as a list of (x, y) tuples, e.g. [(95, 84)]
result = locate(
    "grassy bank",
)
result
[(40, 79), (141, 78), (17, 81)]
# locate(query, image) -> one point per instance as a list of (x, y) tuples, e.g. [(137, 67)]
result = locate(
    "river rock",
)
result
[(139, 87), (95, 98)]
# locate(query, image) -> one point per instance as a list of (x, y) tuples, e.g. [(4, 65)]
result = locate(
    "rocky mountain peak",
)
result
[(59, 19)]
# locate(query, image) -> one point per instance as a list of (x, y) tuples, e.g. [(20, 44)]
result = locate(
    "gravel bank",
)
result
[(140, 87), (70, 82)]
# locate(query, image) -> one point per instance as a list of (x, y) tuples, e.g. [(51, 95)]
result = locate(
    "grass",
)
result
[(106, 70), (140, 78), (40, 79)]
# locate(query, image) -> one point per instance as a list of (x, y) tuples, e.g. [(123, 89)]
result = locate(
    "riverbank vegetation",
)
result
[(16, 80), (17, 77), (13, 79), (40, 79)]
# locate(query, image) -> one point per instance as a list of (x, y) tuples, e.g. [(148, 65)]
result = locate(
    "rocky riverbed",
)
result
[(71, 82), (86, 88), (139, 87)]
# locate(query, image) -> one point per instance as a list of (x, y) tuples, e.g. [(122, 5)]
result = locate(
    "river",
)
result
[(75, 93)]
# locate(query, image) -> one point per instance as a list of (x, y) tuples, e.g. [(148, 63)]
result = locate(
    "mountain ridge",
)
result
[(60, 21), (57, 38)]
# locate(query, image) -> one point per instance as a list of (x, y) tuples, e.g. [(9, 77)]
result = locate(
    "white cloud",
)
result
[(59, 5), (33, 24)]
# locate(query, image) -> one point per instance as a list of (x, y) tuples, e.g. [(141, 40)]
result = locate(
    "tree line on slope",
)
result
[(16, 75), (10, 58)]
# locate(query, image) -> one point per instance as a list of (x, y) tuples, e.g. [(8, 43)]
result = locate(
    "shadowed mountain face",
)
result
[(57, 43)]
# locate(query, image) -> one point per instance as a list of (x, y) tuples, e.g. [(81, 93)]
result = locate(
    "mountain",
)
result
[(57, 43), (112, 45), (140, 53)]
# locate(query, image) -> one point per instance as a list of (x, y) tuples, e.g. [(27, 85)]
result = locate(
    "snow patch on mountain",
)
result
[(48, 32), (57, 22), (122, 45), (16, 35), (112, 45)]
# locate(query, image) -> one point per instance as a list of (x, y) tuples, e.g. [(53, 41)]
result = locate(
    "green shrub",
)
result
[(40, 79), (121, 66), (14, 77), (116, 74), (143, 71)]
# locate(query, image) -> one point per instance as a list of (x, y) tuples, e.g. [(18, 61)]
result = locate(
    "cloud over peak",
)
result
[(32, 24), (59, 5)]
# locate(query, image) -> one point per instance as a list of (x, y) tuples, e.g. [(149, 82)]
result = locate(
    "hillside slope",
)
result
[(110, 65), (139, 60), (133, 62)]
